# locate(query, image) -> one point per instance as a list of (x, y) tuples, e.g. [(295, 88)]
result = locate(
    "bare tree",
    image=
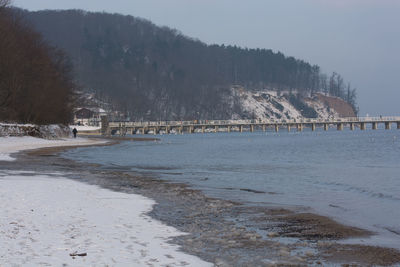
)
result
[(324, 83), (35, 79), (4, 3)]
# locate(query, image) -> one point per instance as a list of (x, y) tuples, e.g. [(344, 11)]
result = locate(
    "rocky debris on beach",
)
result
[(76, 254), (52, 131)]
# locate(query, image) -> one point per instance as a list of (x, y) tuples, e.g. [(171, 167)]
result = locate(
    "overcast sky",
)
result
[(359, 39)]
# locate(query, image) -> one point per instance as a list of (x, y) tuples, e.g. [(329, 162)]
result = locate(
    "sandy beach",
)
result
[(46, 219)]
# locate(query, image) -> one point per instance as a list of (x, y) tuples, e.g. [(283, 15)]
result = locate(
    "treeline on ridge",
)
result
[(158, 73), (36, 84)]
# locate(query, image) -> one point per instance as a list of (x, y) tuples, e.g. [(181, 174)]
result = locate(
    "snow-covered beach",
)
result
[(10, 145), (46, 217)]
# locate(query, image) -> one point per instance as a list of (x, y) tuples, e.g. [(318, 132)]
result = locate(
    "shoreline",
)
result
[(10, 146), (49, 219), (214, 234)]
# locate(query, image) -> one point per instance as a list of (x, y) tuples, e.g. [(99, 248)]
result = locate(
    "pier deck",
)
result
[(203, 126)]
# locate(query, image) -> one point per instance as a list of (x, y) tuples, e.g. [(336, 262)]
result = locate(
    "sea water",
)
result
[(351, 176)]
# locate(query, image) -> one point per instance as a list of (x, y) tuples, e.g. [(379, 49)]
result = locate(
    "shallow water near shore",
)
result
[(352, 177)]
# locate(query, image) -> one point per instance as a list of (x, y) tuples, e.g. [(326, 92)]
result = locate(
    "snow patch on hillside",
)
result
[(324, 112), (274, 105), (266, 104)]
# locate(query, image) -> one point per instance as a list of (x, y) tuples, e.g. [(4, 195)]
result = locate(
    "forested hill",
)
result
[(157, 73)]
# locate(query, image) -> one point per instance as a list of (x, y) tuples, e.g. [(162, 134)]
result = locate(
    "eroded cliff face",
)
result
[(343, 108), (240, 103), (269, 104)]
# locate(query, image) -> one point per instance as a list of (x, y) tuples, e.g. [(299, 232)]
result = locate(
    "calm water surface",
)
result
[(353, 177)]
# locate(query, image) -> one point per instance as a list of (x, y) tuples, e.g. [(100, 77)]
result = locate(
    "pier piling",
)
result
[(299, 127)]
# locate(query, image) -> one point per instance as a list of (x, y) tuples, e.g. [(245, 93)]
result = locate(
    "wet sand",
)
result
[(224, 232)]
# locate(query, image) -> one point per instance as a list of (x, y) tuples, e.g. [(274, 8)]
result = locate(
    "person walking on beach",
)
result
[(74, 131)]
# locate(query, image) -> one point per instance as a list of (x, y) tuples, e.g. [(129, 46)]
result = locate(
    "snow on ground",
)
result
[(260, 103), (84, 128), (322, 109), (9, 145), (43, 219), (16, 124), (268, 104), (290, 110), (252, 106)]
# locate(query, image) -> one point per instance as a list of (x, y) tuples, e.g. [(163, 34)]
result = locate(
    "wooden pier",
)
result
[(205, 126)]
